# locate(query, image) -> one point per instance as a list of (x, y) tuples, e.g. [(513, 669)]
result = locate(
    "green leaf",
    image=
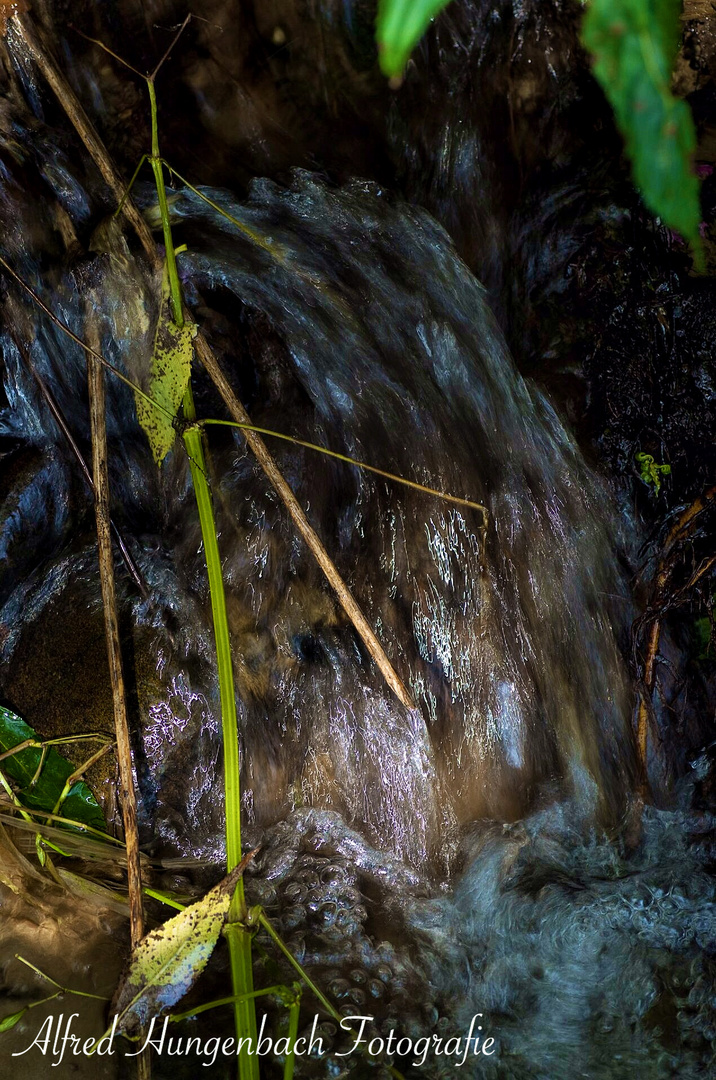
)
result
[(634, 44), (169, 378), (168, 961), (8, 1022), (80, 804), (399, 26)]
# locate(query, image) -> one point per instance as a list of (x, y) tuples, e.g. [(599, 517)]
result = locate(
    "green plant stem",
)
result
[(350, 461), (330, 1009), (293, 1015), (219, 1002), (156, 163), (60, 988), (280, 944), (239, 939)]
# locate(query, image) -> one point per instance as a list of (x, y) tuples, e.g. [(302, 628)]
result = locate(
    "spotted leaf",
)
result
[(168, 380), (168, 961)]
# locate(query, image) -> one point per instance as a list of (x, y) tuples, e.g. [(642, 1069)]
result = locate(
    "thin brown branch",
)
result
[(128, 802), (92, 760), (174, 40), (84, 128), (698, 573), (645, 701), (309, 535), (685, 519), (95, 381)]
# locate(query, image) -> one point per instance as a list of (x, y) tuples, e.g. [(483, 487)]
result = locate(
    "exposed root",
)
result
[(661, 601)]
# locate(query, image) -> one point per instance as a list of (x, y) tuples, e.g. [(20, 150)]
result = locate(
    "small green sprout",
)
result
[(650, 472)]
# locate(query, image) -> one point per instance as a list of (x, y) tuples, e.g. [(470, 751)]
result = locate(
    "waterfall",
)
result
[(478, 855)]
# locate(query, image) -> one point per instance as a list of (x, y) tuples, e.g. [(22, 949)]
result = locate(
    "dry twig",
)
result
[(308, 533), (84, 128), (95, 382)]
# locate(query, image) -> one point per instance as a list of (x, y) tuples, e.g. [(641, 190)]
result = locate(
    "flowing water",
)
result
[(479, 854)]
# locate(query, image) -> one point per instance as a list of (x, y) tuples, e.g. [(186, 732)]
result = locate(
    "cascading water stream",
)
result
[(468, 857), (503, 629)]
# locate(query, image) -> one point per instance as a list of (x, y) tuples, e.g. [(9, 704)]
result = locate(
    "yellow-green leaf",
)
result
[(169, 378), (167, 962)]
